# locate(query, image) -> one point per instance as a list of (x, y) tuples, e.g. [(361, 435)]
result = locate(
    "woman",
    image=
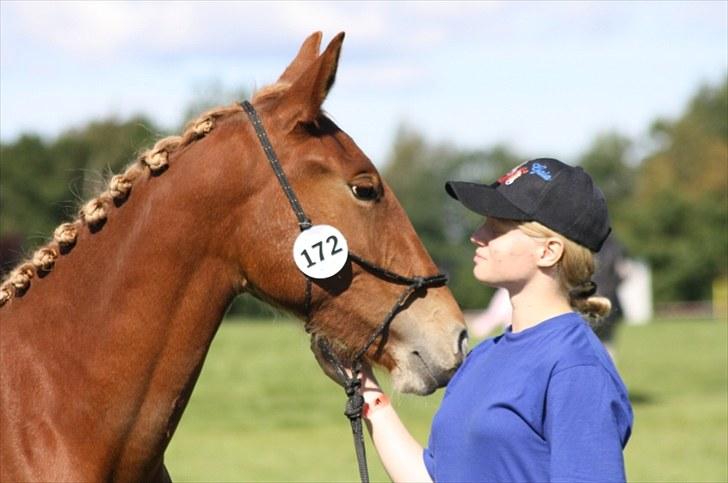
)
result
[(543, 401)]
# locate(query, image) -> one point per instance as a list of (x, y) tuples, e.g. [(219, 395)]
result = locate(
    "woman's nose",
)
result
[(478, 241), (478, 238)]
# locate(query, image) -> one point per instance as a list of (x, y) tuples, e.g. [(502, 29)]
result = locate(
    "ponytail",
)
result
[(575, 270), (583, 300)]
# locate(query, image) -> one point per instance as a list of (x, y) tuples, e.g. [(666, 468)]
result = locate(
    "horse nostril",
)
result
[(462, 345)]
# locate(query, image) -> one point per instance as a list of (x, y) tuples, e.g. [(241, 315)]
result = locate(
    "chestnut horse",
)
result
[(105, 330)]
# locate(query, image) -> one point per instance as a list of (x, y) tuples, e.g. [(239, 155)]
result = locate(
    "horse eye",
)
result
[(366, 193)]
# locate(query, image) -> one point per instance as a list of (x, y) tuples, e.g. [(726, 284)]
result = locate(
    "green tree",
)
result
[(29, 187), (679, 217), (42, 182), (417, 172)]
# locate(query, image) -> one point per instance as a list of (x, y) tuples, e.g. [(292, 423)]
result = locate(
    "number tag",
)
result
[(321, 251)]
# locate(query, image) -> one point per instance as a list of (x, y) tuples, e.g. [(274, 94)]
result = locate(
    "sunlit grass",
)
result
[(677, 376), (263, 411)]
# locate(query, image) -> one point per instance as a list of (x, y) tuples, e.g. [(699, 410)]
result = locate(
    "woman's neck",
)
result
[(535, 302)]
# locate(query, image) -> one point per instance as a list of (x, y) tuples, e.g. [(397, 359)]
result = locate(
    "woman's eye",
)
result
[(364, 192)]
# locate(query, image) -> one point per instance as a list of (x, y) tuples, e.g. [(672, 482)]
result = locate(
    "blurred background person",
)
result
[(496, 316), (608, 277)]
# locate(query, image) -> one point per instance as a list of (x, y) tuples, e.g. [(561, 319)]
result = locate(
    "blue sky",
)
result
[(543, 77)]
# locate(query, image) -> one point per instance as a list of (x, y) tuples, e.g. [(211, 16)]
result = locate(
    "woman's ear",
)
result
[(550, 252)]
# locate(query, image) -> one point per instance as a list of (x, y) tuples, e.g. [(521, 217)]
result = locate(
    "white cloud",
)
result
[(78, 28), (484, 64)]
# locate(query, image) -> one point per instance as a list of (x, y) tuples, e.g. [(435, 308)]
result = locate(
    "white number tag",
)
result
[(321, 251)]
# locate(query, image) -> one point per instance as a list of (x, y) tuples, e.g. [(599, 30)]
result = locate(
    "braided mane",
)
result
[(93, 213)]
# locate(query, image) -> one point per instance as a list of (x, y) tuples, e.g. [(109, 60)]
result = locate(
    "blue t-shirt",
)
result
[(544, 404)]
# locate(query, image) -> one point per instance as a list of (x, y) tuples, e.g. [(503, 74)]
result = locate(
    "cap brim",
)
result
[(484, 200)]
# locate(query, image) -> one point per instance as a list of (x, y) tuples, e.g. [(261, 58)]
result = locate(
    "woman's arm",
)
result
[(399, 452)]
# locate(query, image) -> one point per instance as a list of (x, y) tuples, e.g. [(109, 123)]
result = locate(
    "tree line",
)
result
[(668, 207)]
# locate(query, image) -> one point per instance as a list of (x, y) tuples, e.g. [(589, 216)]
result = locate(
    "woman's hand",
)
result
[(369, 383), (399, 452), (374, 397)]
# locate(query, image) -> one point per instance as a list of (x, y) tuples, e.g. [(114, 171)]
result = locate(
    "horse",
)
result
[(104, 330)]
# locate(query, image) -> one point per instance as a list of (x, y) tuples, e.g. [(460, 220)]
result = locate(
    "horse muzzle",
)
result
[(421, 369)]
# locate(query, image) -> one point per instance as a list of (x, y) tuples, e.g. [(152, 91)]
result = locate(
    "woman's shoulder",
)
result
[(580, 347), (580, 341)]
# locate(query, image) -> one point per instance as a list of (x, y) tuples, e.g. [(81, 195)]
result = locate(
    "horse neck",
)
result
[(153, 270), (126, 318)]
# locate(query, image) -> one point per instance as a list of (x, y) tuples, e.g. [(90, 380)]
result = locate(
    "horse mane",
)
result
[(93, 213)]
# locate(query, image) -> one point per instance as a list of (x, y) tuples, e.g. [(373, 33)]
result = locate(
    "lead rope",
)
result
[(353, 411), (354, 405), (352, 384)]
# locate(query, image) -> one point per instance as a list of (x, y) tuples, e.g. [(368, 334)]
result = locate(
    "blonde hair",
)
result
[(575, 270)]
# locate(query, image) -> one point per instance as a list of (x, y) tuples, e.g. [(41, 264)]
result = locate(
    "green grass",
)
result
[(263, 411), (677, 376)]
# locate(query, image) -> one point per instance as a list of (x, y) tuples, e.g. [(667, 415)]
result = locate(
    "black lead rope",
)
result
[(351, 383)]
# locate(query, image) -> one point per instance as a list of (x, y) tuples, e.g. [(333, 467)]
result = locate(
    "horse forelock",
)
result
[(93, 213)]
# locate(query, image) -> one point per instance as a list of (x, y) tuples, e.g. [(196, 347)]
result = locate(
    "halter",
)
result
[(352, 385)]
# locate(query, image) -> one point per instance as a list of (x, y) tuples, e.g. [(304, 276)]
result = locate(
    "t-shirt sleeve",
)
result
[(584, 426)]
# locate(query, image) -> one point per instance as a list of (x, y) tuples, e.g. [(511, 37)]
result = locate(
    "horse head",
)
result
[(338, 185)]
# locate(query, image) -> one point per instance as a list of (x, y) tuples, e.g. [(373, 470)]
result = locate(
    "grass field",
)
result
[(263, 411)]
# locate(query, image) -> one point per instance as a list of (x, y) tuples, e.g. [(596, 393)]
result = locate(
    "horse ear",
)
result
[(307, 53), (302, 101)]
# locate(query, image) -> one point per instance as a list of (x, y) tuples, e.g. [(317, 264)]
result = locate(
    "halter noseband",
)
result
[(352, 385)]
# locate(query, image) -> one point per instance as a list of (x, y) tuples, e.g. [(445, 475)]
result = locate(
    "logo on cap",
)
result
[(541, 170), (513, 175)]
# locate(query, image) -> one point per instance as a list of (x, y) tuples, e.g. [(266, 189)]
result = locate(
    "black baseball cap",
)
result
[(561, 197)]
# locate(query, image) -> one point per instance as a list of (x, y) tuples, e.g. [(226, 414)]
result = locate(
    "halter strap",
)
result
[(303, 222)]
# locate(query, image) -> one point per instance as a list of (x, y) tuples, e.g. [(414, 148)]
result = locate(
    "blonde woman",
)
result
[(543, 401)]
